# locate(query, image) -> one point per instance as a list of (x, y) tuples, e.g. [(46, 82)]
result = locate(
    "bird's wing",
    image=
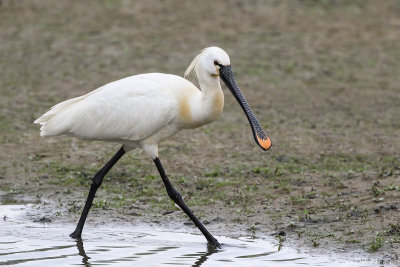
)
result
[(129, 109)]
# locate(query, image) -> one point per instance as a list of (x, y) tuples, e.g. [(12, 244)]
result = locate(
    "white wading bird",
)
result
[(143, 110)]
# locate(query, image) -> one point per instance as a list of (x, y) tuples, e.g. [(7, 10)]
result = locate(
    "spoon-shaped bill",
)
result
[(260, 136)]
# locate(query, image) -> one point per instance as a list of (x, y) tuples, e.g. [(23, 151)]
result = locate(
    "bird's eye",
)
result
[(216, 63)]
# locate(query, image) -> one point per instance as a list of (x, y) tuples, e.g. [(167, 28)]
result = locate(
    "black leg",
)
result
[(97, 180), (177, 198)]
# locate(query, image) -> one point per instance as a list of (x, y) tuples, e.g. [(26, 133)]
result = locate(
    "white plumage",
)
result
[(140, 110), (128, 109)]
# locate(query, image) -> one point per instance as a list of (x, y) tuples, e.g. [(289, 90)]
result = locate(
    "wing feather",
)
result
[(131, 109)]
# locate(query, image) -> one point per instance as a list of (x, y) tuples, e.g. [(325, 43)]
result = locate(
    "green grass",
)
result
[(375, 244)]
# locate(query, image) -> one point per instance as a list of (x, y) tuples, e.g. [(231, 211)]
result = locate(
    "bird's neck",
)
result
[(212, 97), (199, 108)]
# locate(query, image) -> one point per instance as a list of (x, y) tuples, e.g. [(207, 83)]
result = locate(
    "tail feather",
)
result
[(52, 120)]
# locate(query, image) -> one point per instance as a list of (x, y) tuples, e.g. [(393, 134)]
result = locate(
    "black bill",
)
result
[(260, 136)]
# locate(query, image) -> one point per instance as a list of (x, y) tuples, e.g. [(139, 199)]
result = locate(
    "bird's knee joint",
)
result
[(175, 195)]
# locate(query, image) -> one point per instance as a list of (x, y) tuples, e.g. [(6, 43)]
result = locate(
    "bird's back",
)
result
[(132, 108)]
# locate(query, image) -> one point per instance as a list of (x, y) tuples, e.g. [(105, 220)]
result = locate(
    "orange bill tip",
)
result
[(264, 143)]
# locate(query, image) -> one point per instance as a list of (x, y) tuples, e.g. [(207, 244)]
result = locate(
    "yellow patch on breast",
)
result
[(219, 102), (184, 109)]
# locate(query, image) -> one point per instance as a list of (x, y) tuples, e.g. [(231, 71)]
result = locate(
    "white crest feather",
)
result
[(191, 70)]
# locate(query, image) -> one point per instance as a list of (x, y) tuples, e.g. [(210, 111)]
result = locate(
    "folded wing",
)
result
[(130, 109)]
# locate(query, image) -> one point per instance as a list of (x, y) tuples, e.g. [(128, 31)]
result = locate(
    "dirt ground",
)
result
[(321, 76)]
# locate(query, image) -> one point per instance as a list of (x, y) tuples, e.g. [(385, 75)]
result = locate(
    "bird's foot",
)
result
[(214, 243), (76, 234)]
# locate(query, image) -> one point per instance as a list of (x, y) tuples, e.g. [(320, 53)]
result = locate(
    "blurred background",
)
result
[(322, 78)]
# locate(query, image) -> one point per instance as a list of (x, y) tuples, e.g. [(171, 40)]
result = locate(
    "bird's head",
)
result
[(215, 62)]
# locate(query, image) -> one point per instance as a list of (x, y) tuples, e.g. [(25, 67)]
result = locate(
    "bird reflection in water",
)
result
[(204, 257), (199, 262), (81, 252)]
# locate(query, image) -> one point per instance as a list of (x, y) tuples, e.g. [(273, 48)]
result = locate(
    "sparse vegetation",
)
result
[(375, 244)]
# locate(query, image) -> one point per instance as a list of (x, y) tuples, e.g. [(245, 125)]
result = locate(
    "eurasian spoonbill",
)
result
[(143, 110)]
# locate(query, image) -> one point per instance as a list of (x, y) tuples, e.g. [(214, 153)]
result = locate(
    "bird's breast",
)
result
[(197, 110), (218, 104), (185, 109)]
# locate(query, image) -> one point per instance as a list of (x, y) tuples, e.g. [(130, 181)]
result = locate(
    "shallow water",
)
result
[(27, 243)]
